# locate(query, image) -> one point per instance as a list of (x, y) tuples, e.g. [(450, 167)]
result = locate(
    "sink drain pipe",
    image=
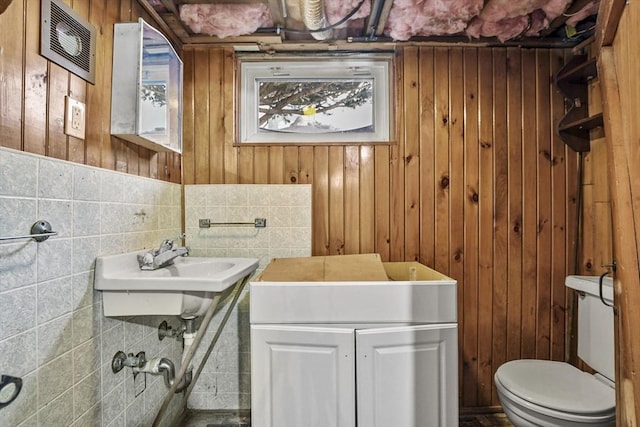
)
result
[(186, 361)]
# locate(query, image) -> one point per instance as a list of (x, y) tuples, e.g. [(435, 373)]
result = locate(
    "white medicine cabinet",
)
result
[(146, 94)]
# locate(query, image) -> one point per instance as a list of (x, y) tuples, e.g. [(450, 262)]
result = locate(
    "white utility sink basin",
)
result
[(184, 288)]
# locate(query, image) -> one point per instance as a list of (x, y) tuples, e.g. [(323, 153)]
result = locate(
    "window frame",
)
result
[(253, 69)]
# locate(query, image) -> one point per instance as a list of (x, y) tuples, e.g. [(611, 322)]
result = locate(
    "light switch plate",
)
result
[(74, 118)]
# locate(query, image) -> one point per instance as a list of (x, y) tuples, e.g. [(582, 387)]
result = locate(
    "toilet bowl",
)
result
[(547, 393)]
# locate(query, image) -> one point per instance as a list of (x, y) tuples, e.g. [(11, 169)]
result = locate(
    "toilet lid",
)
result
[(556, 385)]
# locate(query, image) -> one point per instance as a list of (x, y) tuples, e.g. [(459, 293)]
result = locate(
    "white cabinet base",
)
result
[(403, 376), (406, 376), (302, 376)]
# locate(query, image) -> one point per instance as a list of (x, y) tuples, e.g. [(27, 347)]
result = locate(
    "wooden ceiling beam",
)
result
[(164, 27), (608, 19), (170, 5)]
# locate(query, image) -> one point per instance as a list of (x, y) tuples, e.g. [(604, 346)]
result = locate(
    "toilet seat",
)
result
[(556, 388)]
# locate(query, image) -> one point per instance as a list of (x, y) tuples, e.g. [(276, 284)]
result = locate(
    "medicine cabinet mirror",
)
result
[(146, 94)]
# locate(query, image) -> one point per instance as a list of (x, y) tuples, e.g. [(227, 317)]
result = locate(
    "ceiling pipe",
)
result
[(374, 19), (314, 18)]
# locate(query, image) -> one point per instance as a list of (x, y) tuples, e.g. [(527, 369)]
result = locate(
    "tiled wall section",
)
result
[(225, 379), (52, 332)]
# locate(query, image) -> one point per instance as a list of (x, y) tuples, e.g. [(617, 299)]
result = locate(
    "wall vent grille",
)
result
[(67, 39)]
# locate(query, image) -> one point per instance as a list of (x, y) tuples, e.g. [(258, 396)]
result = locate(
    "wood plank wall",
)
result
[(477, 186), (619, 66), (33, 90)]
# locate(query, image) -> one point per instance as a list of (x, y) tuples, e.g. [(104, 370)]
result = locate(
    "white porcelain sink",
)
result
[(184, 288)]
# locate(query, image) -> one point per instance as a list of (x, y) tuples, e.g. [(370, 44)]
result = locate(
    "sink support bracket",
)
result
[(239, 286)]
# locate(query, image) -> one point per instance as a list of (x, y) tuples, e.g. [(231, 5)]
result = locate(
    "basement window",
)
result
[(299, 100)]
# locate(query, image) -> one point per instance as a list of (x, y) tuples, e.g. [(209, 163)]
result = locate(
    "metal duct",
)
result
[(314, 18)]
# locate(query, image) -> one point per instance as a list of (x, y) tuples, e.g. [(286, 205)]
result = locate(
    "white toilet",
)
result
[(547, 393)]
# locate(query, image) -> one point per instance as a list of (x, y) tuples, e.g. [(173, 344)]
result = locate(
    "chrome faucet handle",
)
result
[(168, 244)]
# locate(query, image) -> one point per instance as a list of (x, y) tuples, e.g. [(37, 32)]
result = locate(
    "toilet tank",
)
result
[(595, 323)]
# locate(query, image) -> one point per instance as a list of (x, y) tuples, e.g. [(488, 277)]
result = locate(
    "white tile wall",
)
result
[(225, 380), (52, 332)]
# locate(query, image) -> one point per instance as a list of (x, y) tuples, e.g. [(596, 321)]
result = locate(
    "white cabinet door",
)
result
[(407, 376), (302, 376)]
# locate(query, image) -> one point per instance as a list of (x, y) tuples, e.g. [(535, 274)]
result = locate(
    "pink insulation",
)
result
[(336, 10), (226, 20), (506, 19), (590, 9), (408, 18)]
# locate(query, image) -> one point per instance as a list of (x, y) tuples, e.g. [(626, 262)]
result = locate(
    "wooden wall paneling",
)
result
[(559, 255), (261, 165), (11, 75), (468, 292), (36, 88), (441, 158), (486, 223), (602, 250), (126, 10), (78, 91), (201, 111), (627, 73), (588, 226), (515, 191), (617, 77), (337, 200), (382, 200), (245, 164), (473, 135), (456, 165), (457, 180), (411, 157), (367, 199), (529, 209), (291, 166), (320, 189), (276, 165), (305, 167), (427, 156), (397, 168), (93, 108), (188, 119), (352, 199), (173, 166), (97, 144), (144, 162), (631, 385), (35, 81), (501, 213), (230, 152), (544, 205), (58, 88), (131, 154), (572, 260), (216, 115), (608, 18)]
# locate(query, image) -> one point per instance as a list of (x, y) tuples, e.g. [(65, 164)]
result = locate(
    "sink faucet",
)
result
[(164, 255)]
